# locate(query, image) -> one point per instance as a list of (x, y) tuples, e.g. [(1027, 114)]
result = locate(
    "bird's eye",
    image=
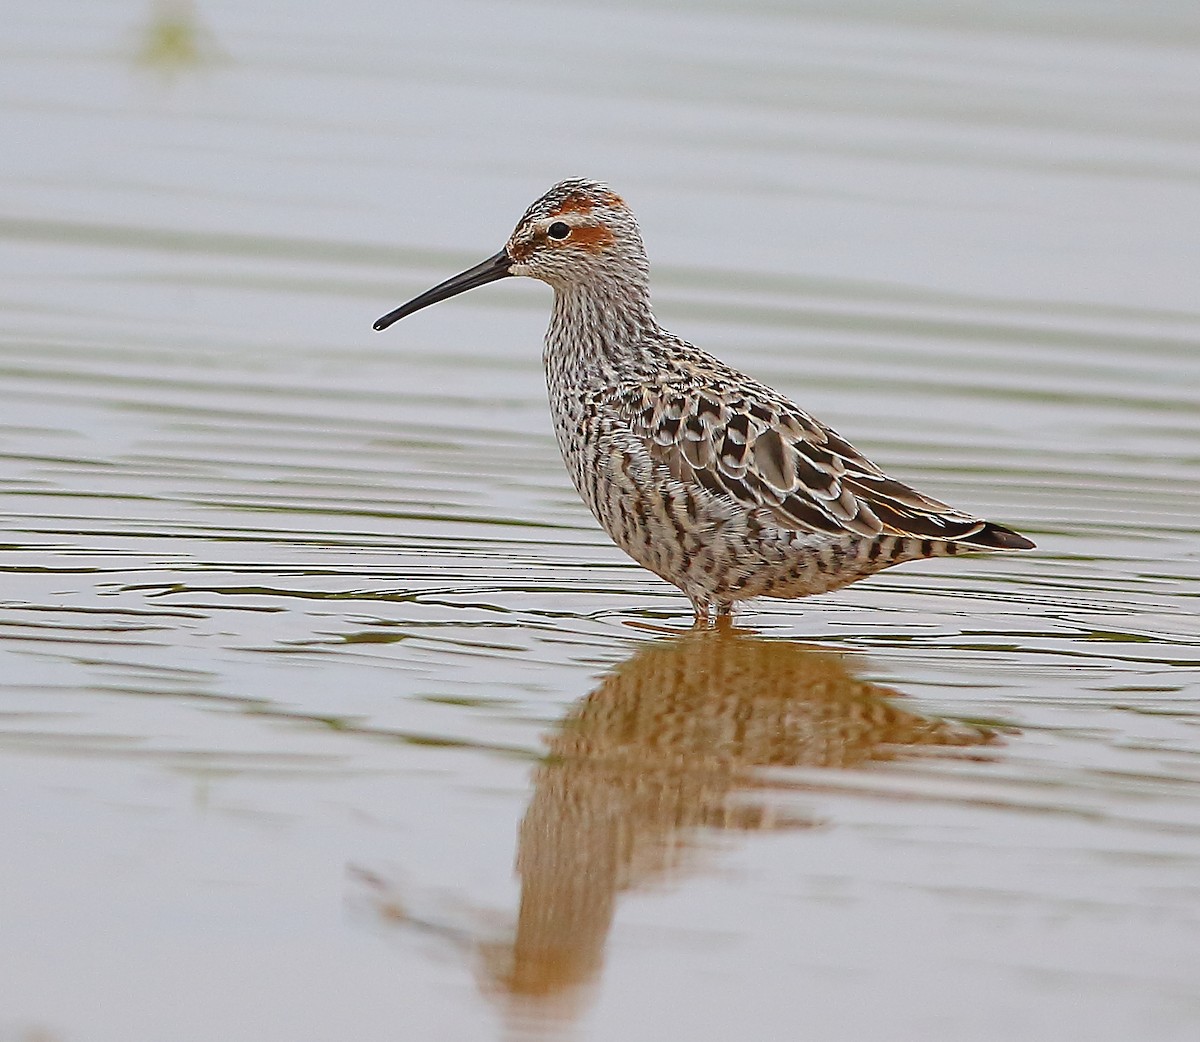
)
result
[(559, 230)]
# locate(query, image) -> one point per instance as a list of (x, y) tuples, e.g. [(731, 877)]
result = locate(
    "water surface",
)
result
[(326, 710)]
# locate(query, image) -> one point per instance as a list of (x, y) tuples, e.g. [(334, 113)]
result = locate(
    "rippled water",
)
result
[(306, 642)]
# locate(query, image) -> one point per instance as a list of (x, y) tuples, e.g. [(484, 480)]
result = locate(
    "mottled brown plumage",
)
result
[(709, 478)]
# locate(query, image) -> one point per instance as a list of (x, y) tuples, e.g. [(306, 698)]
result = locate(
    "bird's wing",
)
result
[(756, 448)]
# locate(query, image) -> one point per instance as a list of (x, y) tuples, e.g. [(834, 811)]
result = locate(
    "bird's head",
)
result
[(579, 232)]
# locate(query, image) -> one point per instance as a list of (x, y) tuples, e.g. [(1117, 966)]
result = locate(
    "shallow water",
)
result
[(306, 642)]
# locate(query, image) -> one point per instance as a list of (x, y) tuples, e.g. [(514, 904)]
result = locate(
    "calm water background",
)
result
[(291, 612)]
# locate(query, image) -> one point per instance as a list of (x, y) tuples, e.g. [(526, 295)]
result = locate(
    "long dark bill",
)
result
[(489, 271)]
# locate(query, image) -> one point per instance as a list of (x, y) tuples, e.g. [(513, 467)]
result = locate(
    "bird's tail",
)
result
[(997, 537)]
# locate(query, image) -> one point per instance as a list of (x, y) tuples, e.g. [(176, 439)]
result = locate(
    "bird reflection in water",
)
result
[(671, 742)]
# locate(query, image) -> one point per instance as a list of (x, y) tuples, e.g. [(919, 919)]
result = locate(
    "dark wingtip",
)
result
[(997, 537)]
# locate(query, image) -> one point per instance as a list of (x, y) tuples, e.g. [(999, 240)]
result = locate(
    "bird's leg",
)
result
[(703, 609)]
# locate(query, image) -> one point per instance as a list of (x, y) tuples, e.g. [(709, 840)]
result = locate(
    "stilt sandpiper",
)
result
[(712, 480)]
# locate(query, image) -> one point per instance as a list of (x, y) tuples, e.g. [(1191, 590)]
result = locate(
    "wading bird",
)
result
[(709, 478)]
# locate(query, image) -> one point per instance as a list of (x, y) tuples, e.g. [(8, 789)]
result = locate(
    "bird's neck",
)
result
[(600, 332)]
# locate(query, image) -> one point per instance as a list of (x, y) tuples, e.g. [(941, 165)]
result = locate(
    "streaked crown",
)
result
[(579, 231)]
